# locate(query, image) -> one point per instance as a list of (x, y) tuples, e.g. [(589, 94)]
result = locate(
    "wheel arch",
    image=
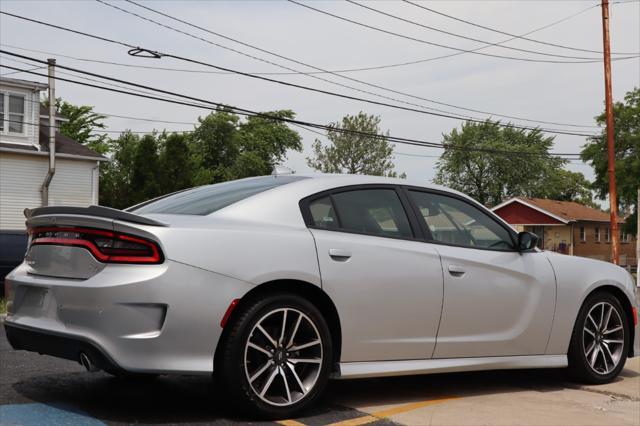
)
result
[(622, 297), (311, 292)]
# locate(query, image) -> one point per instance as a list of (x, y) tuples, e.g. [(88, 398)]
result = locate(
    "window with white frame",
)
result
[(624, 237), (607, 234), (583, 235), (597, 234), (12, 113)]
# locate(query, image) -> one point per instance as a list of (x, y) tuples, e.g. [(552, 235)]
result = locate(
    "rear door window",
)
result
[(377, 212)]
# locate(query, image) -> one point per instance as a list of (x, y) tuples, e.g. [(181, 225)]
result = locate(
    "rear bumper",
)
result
[(60, 346), (139, 318)]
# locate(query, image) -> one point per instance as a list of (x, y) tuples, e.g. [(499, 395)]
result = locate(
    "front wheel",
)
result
[(600, 340), (277, 356)]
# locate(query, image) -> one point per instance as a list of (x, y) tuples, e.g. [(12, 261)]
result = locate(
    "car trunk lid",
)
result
[(78, 242)]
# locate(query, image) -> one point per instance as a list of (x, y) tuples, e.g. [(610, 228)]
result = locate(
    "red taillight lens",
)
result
[(105, 246)]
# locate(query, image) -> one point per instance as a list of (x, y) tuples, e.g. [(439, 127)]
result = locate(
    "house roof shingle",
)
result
[(569, 210), (64, 145)]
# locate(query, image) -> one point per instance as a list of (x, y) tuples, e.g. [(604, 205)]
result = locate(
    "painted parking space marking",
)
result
[(383, 414), (37, 414), (290, 423), (332, 414)]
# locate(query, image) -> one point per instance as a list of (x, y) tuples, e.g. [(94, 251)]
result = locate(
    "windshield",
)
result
[(204, 200)]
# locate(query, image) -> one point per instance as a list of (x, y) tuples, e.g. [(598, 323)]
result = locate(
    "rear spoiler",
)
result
[(99, 211)]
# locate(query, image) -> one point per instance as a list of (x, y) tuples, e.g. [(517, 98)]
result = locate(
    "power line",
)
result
[(270, 116), (158, 131), (340, 95), (347, 70), (18, 72), (510, 34), (443, 114), (408, 21), (152, 120), (261, 59), (395, 34), (81, 77), (323, 70)]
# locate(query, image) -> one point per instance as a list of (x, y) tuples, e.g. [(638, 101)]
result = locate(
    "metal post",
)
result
[(52, 133), (613, 204)]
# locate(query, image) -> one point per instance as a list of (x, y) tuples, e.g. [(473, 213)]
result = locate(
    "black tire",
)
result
[(579, 366), (230, 369)]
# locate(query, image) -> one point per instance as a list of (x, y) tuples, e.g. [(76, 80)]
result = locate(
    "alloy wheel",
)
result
[(283, 356), (603, 338)]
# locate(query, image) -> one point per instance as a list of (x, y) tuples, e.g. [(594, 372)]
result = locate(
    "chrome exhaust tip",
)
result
[(86, 362)]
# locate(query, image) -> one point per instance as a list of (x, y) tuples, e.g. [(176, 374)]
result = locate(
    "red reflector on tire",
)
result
[(635, 316)]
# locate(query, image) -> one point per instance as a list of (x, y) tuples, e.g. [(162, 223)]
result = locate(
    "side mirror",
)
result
[(527, 241)]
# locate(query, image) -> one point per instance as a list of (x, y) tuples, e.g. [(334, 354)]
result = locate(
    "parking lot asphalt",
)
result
[(37, 390)]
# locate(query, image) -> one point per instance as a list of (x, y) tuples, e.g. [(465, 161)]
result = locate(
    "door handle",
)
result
[(456, 270), (340, 255)]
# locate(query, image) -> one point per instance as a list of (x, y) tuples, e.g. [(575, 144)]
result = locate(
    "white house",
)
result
[(24, 158)]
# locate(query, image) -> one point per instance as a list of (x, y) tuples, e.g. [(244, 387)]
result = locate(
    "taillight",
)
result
[(105, 246)]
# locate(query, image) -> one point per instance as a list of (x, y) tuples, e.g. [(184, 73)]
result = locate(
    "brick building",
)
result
[(568, 227)]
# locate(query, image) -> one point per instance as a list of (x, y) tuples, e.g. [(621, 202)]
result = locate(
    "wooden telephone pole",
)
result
[(613, 203)]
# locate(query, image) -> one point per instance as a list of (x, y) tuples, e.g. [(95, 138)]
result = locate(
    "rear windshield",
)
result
[(204, 200)]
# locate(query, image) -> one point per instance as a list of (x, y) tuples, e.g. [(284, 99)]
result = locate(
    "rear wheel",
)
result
[(277, 356), (600, 340)]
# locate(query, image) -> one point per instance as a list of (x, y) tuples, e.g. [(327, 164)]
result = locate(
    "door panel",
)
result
[(388, 293), (496, 303)]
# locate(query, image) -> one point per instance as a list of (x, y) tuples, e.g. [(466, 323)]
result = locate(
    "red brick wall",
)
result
[(602, 249)]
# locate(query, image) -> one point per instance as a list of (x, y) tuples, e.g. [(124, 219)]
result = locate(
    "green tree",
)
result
[(115, 175), (221, 147), (215, 145), (145, 174), (627, 151), (355, 153), (565, 185), (83, 124), (474, 162), (175, 163), (225, 148), (263, 142)]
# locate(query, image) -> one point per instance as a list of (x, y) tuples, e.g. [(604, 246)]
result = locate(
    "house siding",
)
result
[(521, 214), (21, 176)]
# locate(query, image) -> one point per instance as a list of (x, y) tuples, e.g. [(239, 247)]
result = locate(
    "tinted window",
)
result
[(323, 213), (372, 211), (453, 221), (207, 199)]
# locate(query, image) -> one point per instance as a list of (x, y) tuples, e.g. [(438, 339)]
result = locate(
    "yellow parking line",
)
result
[(357, 421), (290, 423), (392, 411)]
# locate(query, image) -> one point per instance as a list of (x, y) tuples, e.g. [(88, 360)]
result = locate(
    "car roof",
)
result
[(337, 180), (279, 205)]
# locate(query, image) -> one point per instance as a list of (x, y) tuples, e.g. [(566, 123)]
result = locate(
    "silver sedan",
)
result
[(275, 284)]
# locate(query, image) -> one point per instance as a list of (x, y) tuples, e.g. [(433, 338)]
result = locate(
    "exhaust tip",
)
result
[(86, 362)]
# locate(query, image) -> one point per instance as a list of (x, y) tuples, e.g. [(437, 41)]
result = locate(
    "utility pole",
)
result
[(613, 203), (638, 239), (52, 133)]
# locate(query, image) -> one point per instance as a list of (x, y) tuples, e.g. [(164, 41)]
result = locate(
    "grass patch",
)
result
[(3, 305)]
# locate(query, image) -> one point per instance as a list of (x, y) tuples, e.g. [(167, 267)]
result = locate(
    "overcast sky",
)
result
[(567, 93)]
